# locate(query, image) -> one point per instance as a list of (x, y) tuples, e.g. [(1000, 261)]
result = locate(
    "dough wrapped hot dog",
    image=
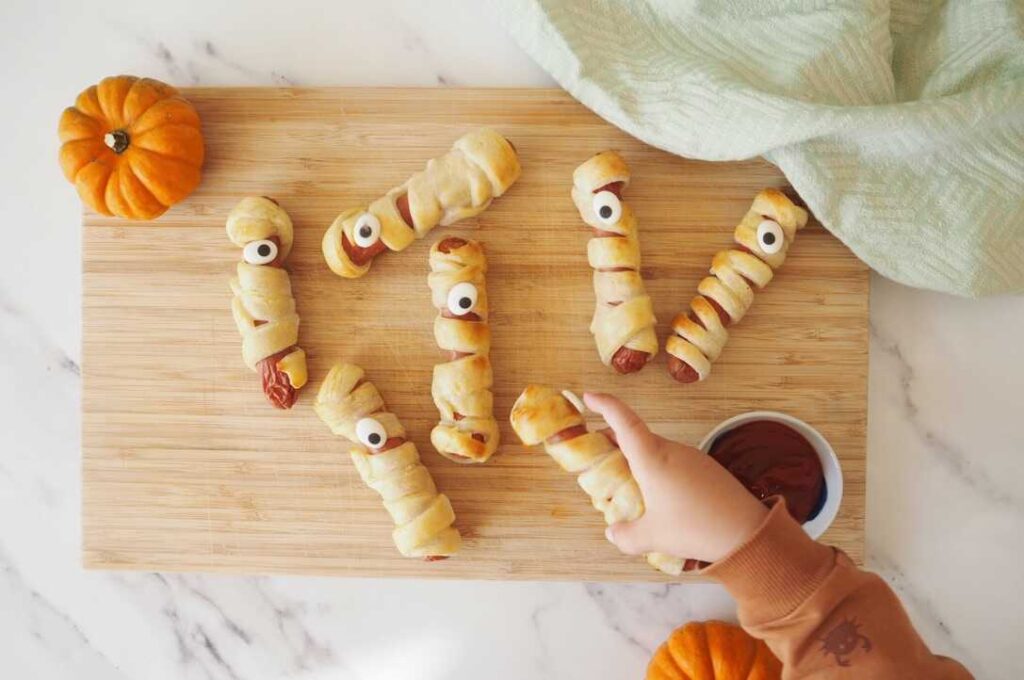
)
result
[(263, 306), (764, 236), (388, 463), (468, 432), (481, 166), (543, 415), (623, 323)]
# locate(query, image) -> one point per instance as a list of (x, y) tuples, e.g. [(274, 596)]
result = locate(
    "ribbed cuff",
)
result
[(778, 567)]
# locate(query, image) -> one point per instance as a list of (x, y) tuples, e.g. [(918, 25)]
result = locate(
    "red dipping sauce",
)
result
[(773, 459)]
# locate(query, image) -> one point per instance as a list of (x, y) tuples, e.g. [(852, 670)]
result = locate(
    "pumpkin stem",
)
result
[(116, 140)]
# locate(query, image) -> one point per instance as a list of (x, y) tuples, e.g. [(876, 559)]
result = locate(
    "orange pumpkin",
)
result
[(131, 146), (713, 650)]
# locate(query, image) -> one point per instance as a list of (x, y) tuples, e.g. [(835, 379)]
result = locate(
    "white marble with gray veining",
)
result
[(946, 451)]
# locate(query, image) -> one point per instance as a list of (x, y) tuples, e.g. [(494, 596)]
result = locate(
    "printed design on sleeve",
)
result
[(843, 640)]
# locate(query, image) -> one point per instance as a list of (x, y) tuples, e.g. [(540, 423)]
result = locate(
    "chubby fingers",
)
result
[(631, 433), (629, 537)]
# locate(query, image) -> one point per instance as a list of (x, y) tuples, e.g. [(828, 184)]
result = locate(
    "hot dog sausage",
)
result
[(262, 296), (462, 183), (276, 384), (762, 239), (624, 336), (625, 360), (682, 371), (467, 431)]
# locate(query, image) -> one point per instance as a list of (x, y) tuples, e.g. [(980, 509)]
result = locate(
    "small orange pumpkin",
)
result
[(132, 147), (713, 650)]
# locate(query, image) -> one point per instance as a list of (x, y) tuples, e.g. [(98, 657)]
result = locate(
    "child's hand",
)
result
[(695, 508)]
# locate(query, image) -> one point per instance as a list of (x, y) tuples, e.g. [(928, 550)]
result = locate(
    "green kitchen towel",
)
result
[(899, 122)]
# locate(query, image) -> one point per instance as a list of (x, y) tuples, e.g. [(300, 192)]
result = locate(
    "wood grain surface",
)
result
[(186, 467)]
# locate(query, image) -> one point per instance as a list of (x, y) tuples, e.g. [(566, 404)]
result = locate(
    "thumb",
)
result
[(629, 537)]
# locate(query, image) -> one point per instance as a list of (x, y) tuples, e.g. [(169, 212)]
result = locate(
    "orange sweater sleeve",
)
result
[(822, 616)]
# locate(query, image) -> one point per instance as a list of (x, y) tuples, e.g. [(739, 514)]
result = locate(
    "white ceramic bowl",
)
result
[(829, 463)]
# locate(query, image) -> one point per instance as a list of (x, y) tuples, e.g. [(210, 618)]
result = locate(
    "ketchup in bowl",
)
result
[(772, 459)]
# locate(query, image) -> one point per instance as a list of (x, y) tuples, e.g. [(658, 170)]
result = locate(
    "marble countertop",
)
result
[(945, 522)]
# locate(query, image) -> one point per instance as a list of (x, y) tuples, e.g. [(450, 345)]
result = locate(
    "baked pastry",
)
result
[(623, 323), (543, 415), (481, 166), (388, 463), (764, 235), (461, 387), (263, 306)]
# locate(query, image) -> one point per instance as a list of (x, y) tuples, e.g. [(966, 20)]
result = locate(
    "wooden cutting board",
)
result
[(186, 467)]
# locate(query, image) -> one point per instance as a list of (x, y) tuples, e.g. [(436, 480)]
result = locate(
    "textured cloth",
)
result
[(819, 614), (899, 122)]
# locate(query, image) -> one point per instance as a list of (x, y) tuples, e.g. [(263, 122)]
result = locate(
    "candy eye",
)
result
[(260, 252), (371, 433), (770, 237), (367, 230), (462, 298), (607, 207)]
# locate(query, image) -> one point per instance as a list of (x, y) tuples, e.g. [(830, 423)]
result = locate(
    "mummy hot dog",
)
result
[(461, 387), (481, 166), (389, 464), (263, 306), (623, 323), (764, 236), (543, 415)]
